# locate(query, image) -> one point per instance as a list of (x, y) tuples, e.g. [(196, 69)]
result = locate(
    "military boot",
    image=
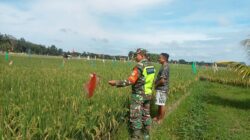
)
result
[(146, 135)]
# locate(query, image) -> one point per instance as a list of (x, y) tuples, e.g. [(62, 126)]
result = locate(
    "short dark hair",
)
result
[(165, 55)]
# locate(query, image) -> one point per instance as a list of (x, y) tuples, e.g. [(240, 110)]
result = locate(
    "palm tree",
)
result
[(246, 44), (241, 69)]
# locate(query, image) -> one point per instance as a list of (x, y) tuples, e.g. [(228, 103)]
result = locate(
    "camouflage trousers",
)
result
[(140, 112)]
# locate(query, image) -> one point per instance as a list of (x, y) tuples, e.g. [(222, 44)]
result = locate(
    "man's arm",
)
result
[(164, 77), (160, 82), (130, 81)]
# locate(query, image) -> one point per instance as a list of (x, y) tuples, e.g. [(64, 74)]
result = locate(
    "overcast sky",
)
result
[(195, 30)]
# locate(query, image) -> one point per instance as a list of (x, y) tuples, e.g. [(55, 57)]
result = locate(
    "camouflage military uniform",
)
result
[(140, 102)]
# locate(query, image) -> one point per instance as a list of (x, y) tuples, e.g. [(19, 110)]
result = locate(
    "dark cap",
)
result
[(141, 51)]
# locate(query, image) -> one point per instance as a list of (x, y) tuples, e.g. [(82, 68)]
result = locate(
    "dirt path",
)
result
[(172, 107)]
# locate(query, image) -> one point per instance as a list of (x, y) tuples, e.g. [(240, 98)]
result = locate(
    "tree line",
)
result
[(11, 44)]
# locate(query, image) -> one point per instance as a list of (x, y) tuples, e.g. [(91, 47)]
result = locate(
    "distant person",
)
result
[(162, 86), (141, 80), (65, 56)]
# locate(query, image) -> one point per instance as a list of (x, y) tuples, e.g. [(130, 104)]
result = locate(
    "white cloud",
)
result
[(223, 21), (64, 22), (158, 37), (10, 15), (122, 6), (50, 18)]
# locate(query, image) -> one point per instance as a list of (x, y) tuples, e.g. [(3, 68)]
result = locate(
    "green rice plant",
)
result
[(230, 73), (236, 82), (40, 99)]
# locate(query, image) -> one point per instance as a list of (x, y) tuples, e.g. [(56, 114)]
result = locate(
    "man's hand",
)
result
[(160, 82), (112, 82)]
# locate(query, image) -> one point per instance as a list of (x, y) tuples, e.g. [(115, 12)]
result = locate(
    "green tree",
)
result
[(182, 61), (246, 44), (131, 55), (5, 43)]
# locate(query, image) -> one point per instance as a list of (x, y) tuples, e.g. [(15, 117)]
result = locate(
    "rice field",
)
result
[(224, 76), (42, 98)]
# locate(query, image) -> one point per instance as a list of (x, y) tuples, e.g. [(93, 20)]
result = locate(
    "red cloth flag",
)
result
[(91, 85)]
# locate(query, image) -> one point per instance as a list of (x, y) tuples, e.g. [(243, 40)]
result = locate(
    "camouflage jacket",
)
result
[(136, 79)]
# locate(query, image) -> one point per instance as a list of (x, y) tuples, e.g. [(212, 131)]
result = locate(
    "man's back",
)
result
[(139, 86)]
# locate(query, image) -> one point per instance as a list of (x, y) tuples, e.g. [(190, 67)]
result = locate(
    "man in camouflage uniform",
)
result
[(141, 81)]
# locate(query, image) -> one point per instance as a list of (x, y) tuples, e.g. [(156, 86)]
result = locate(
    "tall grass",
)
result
[(40, 99)]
